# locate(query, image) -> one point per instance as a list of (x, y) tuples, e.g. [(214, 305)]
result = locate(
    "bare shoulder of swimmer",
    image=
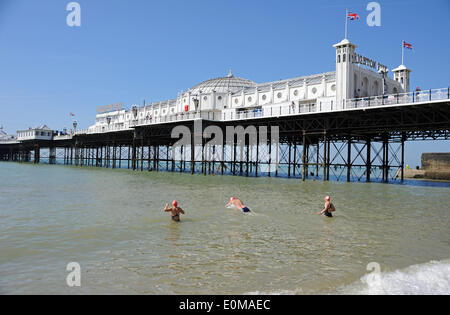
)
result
[(179, 210)]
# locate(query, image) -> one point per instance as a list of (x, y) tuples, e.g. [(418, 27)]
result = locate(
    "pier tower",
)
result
[(344, 71)]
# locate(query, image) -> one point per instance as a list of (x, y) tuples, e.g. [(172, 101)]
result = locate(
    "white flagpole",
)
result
[(346, 23), (403, 52)]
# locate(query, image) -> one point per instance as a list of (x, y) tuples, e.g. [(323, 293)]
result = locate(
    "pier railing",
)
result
[(8, 141), (399, 99), (285, 109)]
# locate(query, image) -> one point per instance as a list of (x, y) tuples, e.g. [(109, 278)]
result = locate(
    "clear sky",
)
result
[(128, 51)]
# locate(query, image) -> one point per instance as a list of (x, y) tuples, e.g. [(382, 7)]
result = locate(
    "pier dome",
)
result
[(230, 83)]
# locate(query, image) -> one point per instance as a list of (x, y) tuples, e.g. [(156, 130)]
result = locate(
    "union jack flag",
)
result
[(352, 16), (407, 45)]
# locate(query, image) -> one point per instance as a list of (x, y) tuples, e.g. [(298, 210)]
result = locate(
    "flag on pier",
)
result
[(407, 45), (352, 16)]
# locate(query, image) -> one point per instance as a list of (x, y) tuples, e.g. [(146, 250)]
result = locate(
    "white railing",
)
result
[(102, 129), (285, 109), (63, 137), (9, 141), (398, 99), (174, 118)]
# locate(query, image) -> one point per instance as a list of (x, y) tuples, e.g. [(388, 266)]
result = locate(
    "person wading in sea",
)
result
[(175, 211), (238, 204), (328, 209)]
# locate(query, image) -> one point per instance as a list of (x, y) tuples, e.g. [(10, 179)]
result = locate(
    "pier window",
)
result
[(339, 59)]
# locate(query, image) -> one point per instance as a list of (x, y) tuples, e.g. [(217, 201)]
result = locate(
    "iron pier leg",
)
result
[(403, 157), (304, 158), (349, 158), (369, 160), (325, 155)]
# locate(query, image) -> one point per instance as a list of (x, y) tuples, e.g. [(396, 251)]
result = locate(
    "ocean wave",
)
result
[(279, 292), (432, 278)]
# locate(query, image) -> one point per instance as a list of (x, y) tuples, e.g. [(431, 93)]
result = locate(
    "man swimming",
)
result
[(328, 209), (238, 204), (175, 211)]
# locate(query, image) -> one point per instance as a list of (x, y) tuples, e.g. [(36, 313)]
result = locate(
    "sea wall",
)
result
[(436, 165)]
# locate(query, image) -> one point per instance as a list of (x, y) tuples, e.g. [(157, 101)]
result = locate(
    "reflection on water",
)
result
[(112, 223)]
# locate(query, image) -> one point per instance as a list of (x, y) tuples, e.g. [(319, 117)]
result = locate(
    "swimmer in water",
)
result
[(328, 209), (238, 204), (175, 211)]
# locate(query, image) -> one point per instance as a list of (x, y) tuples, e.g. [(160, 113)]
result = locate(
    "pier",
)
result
[(363, 141)]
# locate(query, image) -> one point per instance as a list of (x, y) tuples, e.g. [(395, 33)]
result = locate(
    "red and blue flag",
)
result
[(352, 16)]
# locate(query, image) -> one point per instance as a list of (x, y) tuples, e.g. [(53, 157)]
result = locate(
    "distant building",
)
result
[(225, 98), (38, 133), (4, 137)]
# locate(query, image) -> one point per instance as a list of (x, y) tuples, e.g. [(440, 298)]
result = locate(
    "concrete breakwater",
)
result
[(434, 166)]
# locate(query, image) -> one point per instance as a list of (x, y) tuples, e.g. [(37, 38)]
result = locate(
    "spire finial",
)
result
[(230, 73)]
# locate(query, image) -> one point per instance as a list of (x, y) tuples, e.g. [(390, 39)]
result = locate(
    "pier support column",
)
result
[(192, 150), (270, 156), (247, 157), (142, 154), (349, 158), (369, 160), (114, 154), (295, 158), (328, 159), (52, 157), (234, 157), (133, 153), (289, 158), (37, 153), (257, 154), (402, 171), (387, 162), (128, 156), (383, 166), (149, 163), (325, 155), (77, 156), (304, 170)]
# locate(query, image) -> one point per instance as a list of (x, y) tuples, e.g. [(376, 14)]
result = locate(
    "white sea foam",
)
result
[(432, 278), (279, 292)]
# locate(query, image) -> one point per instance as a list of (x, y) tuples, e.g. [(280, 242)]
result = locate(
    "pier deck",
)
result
[(365, 141)]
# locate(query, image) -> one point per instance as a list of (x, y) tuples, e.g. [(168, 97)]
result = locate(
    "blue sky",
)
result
[(128, 51)]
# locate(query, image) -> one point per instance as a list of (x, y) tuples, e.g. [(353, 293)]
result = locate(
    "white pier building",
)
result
[(231, 97)]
